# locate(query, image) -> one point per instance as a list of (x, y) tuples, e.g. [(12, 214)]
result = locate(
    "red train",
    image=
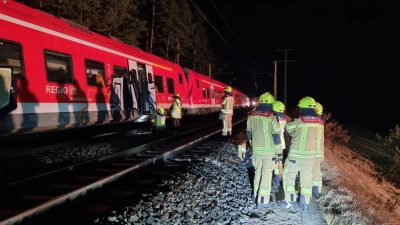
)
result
[(57, 74)]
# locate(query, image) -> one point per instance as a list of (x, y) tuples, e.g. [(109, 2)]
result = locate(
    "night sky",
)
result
[(346, 53)]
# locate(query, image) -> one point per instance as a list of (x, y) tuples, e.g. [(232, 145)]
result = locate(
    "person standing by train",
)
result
[(176, 112), (227, 111), (306, 134), (263, 132)]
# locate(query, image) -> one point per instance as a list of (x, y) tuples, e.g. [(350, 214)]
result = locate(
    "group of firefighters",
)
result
[(267, 128), (270, 134)]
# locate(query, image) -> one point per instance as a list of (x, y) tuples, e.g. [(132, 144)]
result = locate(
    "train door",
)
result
[(117, 97), (212, 95), (133, 83), (151, 97)]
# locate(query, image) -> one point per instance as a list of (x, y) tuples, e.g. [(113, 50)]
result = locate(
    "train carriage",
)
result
[(58, 74)]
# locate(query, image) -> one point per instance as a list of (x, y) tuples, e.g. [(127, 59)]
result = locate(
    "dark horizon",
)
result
[(343, 53)]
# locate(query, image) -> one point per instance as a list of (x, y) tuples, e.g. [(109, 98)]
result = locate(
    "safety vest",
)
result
[(227, 105), (307, 134), (176, 109), (282, 124), (262, 126), (160, 121)]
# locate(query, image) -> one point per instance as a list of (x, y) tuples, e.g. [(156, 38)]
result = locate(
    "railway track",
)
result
[(366, 142), (26, 201)]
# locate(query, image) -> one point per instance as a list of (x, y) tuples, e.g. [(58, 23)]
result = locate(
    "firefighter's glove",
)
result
[(280, 157)]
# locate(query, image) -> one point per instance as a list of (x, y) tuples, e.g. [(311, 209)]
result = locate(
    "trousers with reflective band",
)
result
[(307, 136)]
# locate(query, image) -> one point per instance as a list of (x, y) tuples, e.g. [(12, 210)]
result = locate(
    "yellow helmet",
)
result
[(266, 98), (160, 110), (228, 89), (307, 102), (318, 108), (278, 107), (176, 95)]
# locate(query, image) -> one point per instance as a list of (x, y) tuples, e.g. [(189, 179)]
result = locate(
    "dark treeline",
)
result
[(171, 29)]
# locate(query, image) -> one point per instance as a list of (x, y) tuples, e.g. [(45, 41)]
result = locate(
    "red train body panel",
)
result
[(64, 75)]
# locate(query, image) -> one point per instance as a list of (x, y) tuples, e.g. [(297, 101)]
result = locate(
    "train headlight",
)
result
[(253, 102)]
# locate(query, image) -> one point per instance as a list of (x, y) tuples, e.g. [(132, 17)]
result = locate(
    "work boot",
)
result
[(287, 205), (302, 204), (315, 192), (268, 205)]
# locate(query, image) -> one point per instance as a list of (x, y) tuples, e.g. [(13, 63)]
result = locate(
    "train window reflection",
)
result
[(11, 55), (58, 67), (94, 73)]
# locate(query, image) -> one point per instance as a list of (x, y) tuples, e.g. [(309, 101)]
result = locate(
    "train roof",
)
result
[(23, 15)]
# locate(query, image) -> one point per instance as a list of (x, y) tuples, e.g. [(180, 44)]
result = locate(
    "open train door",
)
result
[(212, 96), (151, 90), (8, 100), (117, 97), (133, 83)]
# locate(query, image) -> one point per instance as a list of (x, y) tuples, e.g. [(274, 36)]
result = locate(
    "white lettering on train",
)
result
[(56, 89)]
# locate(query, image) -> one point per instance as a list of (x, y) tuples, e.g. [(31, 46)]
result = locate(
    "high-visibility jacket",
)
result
[(264, 132), (282, 124), (176, 109), (160, 121), (307, 134), (320, 152), (227, 105)]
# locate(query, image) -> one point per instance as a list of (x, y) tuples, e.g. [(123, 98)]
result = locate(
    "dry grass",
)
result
[(354, 193)]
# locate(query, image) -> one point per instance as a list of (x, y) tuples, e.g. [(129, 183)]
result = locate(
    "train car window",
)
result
[(212, 93), (208, 92), (11, 55), (204, 93), (58, 67), (120, 71), (180, 78), (159, 83), (198, 85), (170, 86), (94, 69)]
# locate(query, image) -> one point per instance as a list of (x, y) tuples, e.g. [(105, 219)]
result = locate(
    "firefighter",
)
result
[(159, 120), (279, 109), (306, 134), (263, 131), (319, 156), (176, 112), (227, 111)]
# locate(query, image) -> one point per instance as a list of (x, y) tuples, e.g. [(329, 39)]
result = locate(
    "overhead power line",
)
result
[(226, 43)]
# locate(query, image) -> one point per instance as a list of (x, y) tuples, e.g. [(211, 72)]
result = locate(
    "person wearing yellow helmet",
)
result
[(263, 132), (319, 156), (176, 112), (227, 111), (279, 108), (307, 139)]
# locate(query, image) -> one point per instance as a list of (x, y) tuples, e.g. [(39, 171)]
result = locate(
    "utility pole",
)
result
[(285, 91), (209, 69), (275, 79)]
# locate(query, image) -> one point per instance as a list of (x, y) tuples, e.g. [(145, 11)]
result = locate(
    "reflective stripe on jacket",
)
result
[(160, 121), (176, 109), (307, 134), (227, 105), (263, 126)]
